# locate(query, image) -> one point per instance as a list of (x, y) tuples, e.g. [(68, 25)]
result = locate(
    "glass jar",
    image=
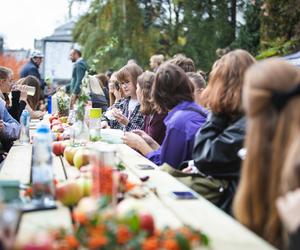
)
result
[(105, 178)]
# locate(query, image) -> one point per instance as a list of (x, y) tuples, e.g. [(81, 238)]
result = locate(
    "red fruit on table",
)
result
[(147, 223), (56, 148)]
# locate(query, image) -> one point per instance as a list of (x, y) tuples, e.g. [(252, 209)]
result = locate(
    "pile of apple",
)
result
[(58, 125), (76, 156)]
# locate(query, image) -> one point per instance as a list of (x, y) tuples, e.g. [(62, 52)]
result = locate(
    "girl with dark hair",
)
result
[(173, 93)]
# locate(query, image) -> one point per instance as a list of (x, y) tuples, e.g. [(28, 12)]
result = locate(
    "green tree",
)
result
[(249, 33)]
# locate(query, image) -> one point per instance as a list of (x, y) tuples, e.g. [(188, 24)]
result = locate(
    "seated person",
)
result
[(173, 93), (153, 122), (97, 94), (115, 89), (271, 166), (9, 127), (217, 143), (125, 113), (199, 85), (33, 101)]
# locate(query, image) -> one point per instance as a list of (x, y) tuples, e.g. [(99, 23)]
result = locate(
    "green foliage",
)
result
[(114, 31), (280, 29), (277, 48), (249, 34)]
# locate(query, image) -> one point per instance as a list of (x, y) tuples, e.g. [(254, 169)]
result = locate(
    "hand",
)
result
[(23, 93), (152, 143), (104, 124), (288, 208), (1, 125), (136, 142), (132, 140), (120, 117), (187, 170)]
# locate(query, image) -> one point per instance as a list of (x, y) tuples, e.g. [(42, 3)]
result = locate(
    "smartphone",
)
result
[(183, 195), (144, 167)]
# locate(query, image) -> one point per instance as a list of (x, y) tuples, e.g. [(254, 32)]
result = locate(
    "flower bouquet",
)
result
[(63, 103)]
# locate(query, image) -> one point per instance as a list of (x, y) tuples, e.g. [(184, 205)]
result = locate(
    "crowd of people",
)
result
[(196, 131)]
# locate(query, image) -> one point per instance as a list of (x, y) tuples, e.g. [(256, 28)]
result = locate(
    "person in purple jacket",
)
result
[(173, 93)]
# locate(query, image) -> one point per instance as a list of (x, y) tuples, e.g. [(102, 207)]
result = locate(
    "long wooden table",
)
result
[(224, 231)]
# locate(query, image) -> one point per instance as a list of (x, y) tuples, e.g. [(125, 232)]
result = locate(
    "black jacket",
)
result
[(31, 69), (216, 147), (215, 153)]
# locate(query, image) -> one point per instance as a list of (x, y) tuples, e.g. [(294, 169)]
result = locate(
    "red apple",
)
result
[(69, 192), (56, 148), (147, 223)]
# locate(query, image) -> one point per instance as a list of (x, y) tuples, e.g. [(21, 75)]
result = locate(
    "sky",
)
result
[(22, 21)]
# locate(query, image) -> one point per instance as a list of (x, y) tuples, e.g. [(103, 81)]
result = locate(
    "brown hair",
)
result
[(269, 139), (33, 101), (103, 80), (197, 80), (112, 98), (145, 82), (187, 64), (171, 86), (5, 72), (130, 72), (223, 94)]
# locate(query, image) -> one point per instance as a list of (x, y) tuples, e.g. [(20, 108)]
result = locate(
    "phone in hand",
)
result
[(183, 195), (144, 167)]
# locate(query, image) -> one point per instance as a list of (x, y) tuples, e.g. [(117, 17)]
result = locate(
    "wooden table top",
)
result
[(224, 232)]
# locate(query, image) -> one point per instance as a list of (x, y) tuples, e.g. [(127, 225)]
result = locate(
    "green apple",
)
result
[(81, 158), (86, 185), (69, 154)]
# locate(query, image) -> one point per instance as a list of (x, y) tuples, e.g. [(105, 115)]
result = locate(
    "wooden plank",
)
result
[(223, 230), (36, 223), (17, 165)]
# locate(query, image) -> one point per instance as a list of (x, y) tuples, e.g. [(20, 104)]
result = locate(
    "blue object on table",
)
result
[(49, 104)]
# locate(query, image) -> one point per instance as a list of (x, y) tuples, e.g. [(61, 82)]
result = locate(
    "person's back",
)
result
[(182, 123)]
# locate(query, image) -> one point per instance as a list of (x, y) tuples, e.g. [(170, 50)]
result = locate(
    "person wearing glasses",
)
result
[(125, 114)]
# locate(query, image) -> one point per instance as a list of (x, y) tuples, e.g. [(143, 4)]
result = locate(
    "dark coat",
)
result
[(79, 69), (215, 153), (31, 69), (216, 147)]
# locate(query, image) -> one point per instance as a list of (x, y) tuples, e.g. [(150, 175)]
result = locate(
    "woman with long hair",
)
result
[(125, 114), (217, 143), (172, 92), (115, 90), (271, 167), (153, 122), (33, 101)]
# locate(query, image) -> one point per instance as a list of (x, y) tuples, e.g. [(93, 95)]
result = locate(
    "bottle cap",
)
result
[(43, 128), (95, 113)]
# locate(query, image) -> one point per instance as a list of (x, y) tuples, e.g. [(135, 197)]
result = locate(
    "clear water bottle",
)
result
[(24, 120), (42, 169), (94, 124)]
